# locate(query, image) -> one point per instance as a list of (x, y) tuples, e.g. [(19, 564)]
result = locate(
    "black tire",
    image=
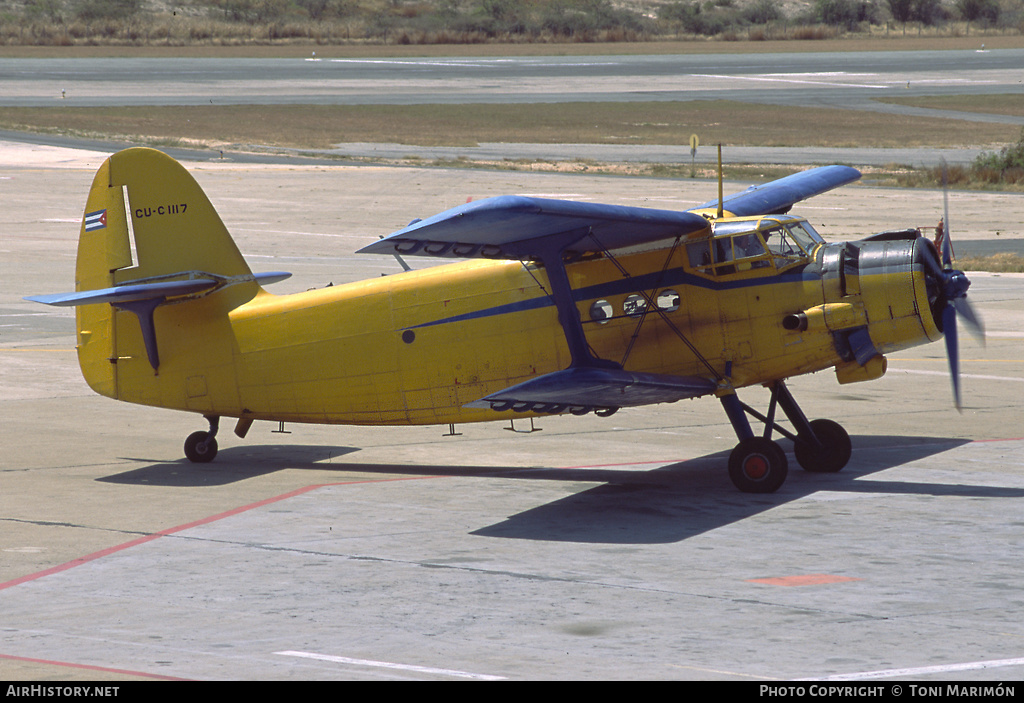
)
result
[(199, 449), (834, 452), (758, 465)]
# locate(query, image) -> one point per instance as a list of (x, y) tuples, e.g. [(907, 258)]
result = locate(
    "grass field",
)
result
[(321, 127), (987, 104), (1005, 262)]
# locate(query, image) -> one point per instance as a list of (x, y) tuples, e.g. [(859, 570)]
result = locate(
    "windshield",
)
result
[(805, 234), (792, 241)]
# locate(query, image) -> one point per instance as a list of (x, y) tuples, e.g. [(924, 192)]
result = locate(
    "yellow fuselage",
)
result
[(414, 348)]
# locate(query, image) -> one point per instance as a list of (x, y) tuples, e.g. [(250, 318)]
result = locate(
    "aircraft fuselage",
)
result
[(414, 348)]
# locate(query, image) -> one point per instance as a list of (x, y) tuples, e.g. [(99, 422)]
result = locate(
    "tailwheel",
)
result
[(830, 453), (758, 465)]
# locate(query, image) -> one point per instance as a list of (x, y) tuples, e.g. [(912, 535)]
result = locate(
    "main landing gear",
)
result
[(758, 465), (201, 447)]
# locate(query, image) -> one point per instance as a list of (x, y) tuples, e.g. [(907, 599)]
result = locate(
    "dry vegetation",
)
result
[(322, 126), (187, 23), (315, 127), (997, 263)]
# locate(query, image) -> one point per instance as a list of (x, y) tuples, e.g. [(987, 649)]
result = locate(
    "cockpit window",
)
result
[(781, 243), (699, 253), (805, 235), (727, 254), (791, 242), (747, 246), (744, 244)]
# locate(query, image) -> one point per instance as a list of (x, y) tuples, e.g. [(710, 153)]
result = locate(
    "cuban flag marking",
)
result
[(95, 220)]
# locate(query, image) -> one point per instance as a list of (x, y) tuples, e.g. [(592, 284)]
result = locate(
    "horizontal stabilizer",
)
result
[(777, 197), (143, 297), (127, 293), (520, 227), (136, 292), (587, 387)]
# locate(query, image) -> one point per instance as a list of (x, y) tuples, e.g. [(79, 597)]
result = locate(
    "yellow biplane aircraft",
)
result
[(561, 307)]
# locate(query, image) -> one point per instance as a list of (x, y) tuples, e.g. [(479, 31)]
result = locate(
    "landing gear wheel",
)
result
[(200, 447), (832, 455), (758, 465)]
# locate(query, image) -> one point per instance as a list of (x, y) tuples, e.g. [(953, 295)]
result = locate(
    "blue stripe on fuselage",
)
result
[(649, 281)]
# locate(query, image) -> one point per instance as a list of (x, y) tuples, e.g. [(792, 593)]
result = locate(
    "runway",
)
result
[(590, 549), (849, 80)]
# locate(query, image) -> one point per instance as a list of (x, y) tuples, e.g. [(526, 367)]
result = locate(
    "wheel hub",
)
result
[(756, 466)]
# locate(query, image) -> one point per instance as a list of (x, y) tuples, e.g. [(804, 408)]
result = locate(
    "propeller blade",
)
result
[(973, 322), (947, 244), (952, 352)]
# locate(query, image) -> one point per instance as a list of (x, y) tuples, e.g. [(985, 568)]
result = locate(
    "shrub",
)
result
[(847, 14), (108, 9), (1004, 166)]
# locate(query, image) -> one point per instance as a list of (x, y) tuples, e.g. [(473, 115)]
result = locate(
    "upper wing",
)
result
[(777, 197), (519, 227)]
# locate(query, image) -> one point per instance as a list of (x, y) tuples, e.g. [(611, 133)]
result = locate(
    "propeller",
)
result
[(952, 302)]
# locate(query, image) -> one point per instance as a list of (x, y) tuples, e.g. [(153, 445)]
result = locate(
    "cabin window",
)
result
[(634, 305), (668, 301), (601, 311)]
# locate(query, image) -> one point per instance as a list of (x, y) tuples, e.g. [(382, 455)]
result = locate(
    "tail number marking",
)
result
[(172, 209)]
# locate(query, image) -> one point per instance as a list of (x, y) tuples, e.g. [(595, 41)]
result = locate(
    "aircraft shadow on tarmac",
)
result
[(663, 505), (235, 464), (683, 500)]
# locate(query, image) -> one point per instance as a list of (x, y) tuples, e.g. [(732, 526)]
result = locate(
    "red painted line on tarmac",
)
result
[(196, 523), (71, 665), (804, 580), (149, 538), (627, 463)]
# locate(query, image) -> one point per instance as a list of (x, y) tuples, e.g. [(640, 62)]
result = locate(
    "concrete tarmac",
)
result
[(590, 549)]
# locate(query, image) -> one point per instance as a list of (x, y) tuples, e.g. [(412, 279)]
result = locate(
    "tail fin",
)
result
[(175, 227), (180, 280)]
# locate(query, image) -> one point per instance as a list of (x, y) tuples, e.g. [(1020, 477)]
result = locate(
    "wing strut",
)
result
[(550, 255)]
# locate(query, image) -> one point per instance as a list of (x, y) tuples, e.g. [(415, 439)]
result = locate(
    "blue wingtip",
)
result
[(780, 195)]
